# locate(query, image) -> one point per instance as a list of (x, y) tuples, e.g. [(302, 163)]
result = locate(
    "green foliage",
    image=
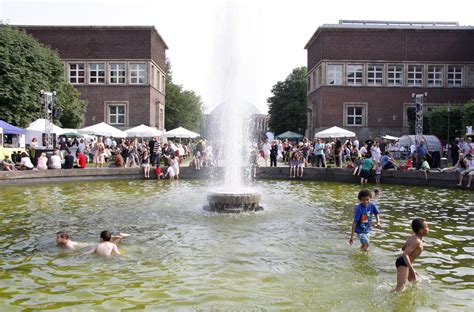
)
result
[(468, 116), (437, 120), (26, 67), (183, 107), (287, 106), (73, 109)]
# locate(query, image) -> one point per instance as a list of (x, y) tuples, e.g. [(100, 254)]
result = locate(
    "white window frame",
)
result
[(435, 75), (94, 68), (376, 71), (117, 73), (395, 75), (415, 75), (455, 76), (74, 73), (116, 114), (362, 115), (357, 70), (332, 73), (139, 69)]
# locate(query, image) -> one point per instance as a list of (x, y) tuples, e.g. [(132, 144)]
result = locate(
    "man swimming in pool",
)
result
[(63, 239), (411, 250), (107, 246)]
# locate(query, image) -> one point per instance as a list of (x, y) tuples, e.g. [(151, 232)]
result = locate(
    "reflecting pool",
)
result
[(293, 255)]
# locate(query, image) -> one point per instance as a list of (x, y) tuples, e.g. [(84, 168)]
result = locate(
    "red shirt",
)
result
[(81, 158)]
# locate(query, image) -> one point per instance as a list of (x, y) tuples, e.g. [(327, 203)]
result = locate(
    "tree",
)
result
[(468, 115), (437, 121), (26, 67), (184, 108), (287, 106)]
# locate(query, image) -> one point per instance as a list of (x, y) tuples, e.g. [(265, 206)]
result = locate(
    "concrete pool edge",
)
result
[(435, 179)]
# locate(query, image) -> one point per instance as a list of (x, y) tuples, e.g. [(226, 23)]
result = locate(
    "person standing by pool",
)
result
[(411, 250), (367, 165), (362, 218)]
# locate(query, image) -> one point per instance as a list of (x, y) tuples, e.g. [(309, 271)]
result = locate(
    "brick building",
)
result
[(362, 74), (119, 71)]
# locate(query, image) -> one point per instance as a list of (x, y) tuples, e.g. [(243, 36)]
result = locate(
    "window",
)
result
[(117, 72), (415, 75), (76, 73), (435, 75), (314, 80), (96, 73), (375, 75), (162, 85), (454, 76), (137, 73), (334, 75), (395, 75), (309, 87), (354, 115), (355, 74), (319, 76), (117, 114), (152, 82)]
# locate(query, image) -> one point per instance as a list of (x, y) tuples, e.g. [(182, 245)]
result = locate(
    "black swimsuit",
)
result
[(400, 262)]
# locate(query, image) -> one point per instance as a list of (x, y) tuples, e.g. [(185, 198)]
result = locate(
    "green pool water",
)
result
[(292, 256)]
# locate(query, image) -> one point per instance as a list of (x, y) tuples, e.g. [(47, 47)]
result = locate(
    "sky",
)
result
[(243, 46)]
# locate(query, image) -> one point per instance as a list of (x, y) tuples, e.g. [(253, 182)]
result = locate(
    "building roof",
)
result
[(388, 25), (91, 27)]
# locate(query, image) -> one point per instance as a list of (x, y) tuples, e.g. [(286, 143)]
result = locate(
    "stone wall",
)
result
[(442, 180)]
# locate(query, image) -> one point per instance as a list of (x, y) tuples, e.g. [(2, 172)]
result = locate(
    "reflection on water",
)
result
[(293, 255)]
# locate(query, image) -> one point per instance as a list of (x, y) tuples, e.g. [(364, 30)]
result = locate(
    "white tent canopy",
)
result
[(36, 130), (143, 131), (103, 129), (181, 133), (39, 126), (390, 138), (335, 132)]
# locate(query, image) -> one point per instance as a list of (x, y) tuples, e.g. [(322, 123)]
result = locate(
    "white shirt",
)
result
[(266, 148), (26, 161), (55, 162)]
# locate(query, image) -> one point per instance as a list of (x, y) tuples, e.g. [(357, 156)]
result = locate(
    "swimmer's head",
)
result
[(419, 226), (364, 197), (106, 236), (376, 192), (62, 237)]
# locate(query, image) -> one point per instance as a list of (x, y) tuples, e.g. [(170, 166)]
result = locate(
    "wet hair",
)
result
[(364, 193), (376, 191), (106, 236), (62, 234), (417, 224)]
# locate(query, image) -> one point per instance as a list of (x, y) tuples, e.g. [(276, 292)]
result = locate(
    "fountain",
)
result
[(231, 131)]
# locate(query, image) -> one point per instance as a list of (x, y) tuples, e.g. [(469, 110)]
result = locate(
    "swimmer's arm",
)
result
[(91, 251), (351, 240), (377, 218), (117, 252), (410, 249)]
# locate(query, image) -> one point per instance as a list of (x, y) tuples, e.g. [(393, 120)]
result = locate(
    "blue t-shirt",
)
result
[(384, 160), (318, 149), (363, 217)]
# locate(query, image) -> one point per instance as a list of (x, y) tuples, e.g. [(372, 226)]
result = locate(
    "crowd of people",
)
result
[(363, 157)]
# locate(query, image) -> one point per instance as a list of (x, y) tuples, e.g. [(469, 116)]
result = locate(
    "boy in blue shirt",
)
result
[(362, 218)]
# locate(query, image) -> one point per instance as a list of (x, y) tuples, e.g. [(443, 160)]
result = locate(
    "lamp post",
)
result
[(449, 111)]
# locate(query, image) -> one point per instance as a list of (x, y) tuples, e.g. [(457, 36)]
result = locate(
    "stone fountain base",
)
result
[(233, 203)]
